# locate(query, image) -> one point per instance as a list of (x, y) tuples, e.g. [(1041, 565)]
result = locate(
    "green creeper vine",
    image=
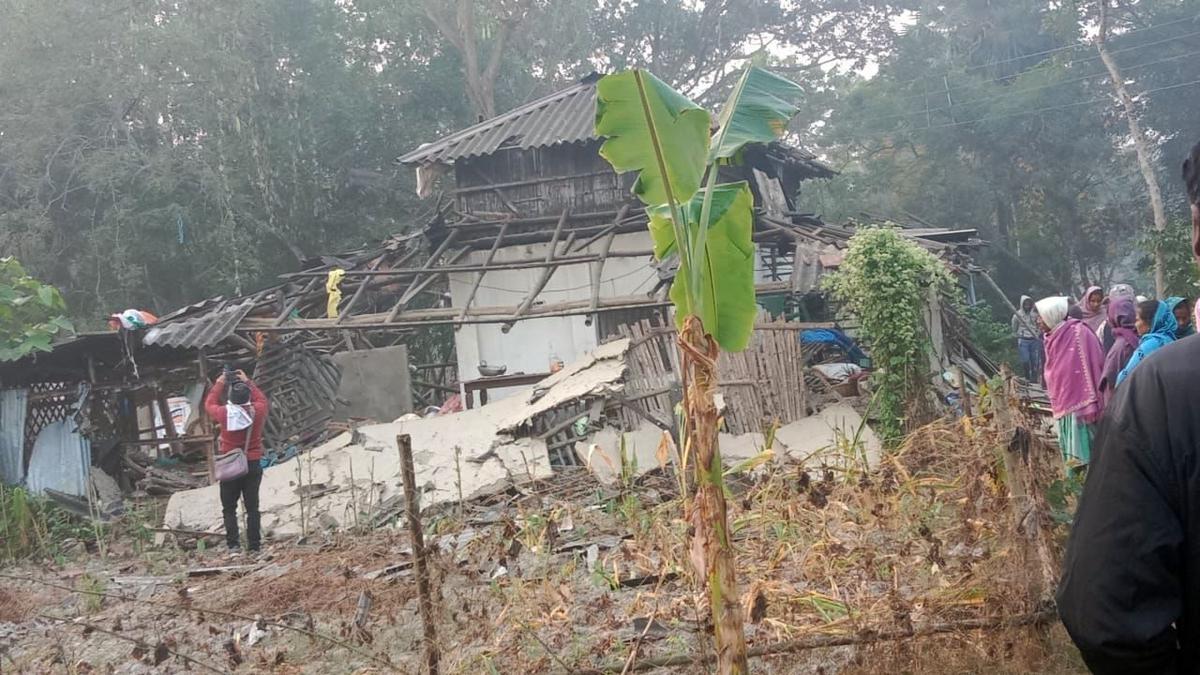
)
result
[(31, 313), (884, 281)]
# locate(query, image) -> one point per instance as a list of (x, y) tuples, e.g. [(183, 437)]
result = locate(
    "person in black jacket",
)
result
[(1130, 592)]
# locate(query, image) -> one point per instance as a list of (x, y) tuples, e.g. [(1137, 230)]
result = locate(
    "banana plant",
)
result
[(669, 141)]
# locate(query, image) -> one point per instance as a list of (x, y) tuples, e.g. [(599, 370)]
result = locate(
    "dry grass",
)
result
[(928, 537), (18, 605)]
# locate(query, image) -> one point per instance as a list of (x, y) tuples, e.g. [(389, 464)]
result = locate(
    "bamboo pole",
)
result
[(429, 263), (479, 277), (547, 272), (509, 265), (865, 637), (597, 274), (295, 302)]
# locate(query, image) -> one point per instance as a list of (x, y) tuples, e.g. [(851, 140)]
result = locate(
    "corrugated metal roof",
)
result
[(194, 307), (13, 406), (566, 116), (204, 330)]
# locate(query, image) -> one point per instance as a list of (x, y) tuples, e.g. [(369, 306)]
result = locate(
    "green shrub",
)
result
[(884, 281)]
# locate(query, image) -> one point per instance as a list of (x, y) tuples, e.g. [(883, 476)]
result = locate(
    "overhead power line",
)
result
[(1019, 91), (1039, 110), (937, 78)]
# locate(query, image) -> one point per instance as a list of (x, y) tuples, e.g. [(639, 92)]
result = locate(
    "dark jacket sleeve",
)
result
[(1121, 591)]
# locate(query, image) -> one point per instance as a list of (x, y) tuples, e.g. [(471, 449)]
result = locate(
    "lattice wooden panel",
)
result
[(49, 402)]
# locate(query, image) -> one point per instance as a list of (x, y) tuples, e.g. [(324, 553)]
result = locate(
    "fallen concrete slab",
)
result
[(459, 456), (834, 436)]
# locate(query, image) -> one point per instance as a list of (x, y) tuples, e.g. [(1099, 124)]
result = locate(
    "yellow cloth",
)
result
[(333, 286)]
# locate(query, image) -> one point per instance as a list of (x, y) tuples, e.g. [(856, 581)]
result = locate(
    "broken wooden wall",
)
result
[(539, 181), (302, 385), (761, 385)]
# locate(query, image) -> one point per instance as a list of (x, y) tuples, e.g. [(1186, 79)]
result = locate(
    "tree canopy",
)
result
[(153, 153)]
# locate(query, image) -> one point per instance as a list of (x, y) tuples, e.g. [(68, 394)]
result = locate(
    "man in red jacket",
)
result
[(245, 394)]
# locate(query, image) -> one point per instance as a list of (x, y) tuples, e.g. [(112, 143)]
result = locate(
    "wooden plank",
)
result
[(237, 570)]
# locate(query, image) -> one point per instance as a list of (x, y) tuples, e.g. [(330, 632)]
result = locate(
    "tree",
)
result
[(459, 22), (997, 116), (1141, 146), (31, 313), (657, 132), (700, 48)]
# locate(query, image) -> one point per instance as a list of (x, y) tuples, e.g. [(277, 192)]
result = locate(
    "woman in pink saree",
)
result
[(1074, 367)]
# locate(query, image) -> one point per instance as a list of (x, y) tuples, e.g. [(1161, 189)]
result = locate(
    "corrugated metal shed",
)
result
[(566, 116), (13, 405), (204, 330)]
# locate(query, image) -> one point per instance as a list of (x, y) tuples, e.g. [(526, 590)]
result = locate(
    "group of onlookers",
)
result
[(1082, 351), (1130, 592)]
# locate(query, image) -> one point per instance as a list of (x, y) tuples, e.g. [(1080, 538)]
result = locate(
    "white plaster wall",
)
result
[(529, 346)]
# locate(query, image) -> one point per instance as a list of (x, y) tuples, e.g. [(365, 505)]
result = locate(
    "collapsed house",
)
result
[(535, 257)]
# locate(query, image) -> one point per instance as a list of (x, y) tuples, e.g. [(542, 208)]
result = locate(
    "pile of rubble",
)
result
[(353, 480)]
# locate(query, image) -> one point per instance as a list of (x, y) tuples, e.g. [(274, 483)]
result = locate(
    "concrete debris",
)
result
[(106, 492), (835, 436), (353, 480), (360, 472), (822, 439)]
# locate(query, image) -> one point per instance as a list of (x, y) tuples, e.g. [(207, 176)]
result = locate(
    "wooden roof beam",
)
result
[(547, 272), (430, 262), (419, 285), (295, 302), (479, 277)]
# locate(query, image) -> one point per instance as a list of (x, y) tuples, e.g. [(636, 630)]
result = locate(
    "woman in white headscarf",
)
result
[(1074, 367)]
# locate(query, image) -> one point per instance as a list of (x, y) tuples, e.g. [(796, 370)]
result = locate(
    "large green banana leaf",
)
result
[(758, 111), (726, 299), (633, 110)]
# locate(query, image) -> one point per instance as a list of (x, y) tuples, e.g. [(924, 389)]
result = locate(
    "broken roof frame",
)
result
[(397, 286), (400, 273)]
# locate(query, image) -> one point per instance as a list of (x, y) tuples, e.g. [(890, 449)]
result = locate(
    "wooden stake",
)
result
[(963, 395), (413, 509)]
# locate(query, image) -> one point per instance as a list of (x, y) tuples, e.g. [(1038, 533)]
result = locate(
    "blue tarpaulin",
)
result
[(836, 338)]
